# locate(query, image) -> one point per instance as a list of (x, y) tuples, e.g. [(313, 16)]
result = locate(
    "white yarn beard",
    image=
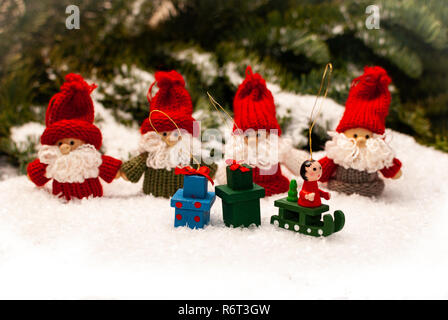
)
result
[(162, 156), (263, 154), (80, 164), (376, 154)]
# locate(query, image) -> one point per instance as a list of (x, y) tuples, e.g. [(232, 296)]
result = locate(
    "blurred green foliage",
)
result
[(288, 41)]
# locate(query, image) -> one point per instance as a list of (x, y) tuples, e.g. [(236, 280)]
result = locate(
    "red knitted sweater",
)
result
[(107, 171), (312, 187)]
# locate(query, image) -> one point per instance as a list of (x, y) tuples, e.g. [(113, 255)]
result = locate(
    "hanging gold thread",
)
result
[(313, 116), (149, 94), (215, 104), (177, 127)]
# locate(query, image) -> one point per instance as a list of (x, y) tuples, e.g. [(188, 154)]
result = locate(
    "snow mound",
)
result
[(124, 245)]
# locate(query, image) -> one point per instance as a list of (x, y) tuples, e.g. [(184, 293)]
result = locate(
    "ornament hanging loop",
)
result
[(169, 118), (215, 104), (315, 111)]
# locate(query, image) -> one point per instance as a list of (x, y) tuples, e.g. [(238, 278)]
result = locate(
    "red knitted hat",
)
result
[(368, 102), (70, 113), (172, 99), (253, 105)]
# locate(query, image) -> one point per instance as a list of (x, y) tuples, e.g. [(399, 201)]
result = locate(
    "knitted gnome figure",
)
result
[(358, 149), (69, 153), (257, 137), (161, 149)]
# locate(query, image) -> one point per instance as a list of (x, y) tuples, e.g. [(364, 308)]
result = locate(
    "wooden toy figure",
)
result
[(69, 153), (166, 140), (358, 152), (310, 195), (193, 202), (240, 197), (304, 214)]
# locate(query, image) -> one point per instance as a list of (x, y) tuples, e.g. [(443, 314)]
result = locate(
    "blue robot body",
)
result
[(192, 205)]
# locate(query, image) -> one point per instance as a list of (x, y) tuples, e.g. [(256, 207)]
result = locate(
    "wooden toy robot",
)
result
[(240, 197), (193, 202)]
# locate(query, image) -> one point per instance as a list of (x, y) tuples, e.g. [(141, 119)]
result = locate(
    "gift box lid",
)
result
[(195, 186), (239, 180), (232, 196)]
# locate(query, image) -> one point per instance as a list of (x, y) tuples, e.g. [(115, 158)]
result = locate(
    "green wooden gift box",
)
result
[(241, 206)]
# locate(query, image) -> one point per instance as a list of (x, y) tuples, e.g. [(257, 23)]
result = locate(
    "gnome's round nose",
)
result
[(361, 142), (65, 148)]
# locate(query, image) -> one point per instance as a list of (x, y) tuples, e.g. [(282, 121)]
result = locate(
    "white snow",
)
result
[(131, 78), (6, 169), (337, 29), (124, 245), (118, 140), (204, 62), (23, 135)]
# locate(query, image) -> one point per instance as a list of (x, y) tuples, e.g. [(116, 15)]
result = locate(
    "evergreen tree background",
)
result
[(288, 41)]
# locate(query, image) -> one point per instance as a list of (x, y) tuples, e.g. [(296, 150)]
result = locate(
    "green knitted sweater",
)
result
[(158, 182)]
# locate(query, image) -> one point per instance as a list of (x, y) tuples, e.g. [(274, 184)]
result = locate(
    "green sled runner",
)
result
[(305, 220)]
